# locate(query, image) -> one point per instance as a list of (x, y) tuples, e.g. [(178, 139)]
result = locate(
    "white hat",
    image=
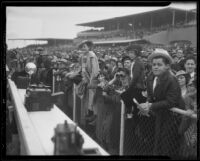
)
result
[(180, 72), (162, 53)]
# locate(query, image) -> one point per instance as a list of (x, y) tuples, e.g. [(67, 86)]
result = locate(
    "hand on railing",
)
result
[(143, 107), (188, 113), (142, 113)]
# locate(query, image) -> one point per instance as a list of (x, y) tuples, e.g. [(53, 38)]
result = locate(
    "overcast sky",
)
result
[(60, 22)]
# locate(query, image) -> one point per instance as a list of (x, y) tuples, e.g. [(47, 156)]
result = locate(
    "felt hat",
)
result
[(180, 72), (87, 42), (39, 49), (160, 53)]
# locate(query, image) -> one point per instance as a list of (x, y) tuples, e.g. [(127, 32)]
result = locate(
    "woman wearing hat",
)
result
[(163, 93), (90, 70), (183, 79)]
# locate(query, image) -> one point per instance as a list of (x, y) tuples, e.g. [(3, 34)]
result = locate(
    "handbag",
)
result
[(77, 78), (81, 88)]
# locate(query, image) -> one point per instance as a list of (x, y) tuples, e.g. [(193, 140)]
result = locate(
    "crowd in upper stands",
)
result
[(136, 33)]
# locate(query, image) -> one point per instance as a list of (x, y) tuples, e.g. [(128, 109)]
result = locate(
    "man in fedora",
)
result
[(163, 92)]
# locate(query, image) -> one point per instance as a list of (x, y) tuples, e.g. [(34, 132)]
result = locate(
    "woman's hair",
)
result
[(187, 78)]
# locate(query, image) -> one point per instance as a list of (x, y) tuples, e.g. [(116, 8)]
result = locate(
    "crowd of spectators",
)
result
[(111, 72)]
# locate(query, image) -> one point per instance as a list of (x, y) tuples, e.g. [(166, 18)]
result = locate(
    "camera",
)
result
[(120, 75)]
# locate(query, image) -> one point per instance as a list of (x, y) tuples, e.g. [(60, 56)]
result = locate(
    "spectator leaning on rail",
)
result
[(188, 127), (163, 93), (137, 85), (90, 70)]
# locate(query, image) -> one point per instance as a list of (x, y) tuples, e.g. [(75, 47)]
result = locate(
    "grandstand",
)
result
[(159, 26), (22, 42)]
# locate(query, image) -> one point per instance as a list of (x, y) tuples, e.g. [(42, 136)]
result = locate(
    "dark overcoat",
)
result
[(136, 86), (167, 94)]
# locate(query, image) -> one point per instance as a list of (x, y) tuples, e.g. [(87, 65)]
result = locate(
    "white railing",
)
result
[(29, 142)]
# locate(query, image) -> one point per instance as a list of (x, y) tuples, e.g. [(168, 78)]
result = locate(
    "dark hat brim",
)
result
[(136, 48)]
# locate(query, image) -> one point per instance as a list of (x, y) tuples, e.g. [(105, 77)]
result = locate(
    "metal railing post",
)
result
[(53, 86), (74, 102), (121, 144)]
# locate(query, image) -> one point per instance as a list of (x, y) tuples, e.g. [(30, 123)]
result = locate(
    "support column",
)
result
[(151, 22), (186, 17), (118, 25), (173, 18)]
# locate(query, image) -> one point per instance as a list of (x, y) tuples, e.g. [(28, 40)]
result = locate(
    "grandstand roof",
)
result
[(42, 39), (122, 41), (101, 23)]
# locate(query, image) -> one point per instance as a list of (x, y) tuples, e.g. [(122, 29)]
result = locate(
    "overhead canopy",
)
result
[(50, 41), (139, 41), (41, 39), (156, 14)]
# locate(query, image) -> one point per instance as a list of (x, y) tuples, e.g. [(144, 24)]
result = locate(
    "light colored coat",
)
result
[(90, 70)]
